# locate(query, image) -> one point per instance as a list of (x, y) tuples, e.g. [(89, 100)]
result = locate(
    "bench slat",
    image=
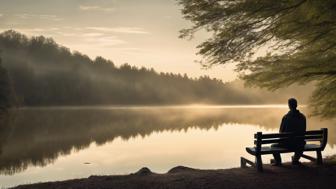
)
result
[(279, 140), (279, 135), (315, 132), (274, 135), (318, 137), (271, 150)]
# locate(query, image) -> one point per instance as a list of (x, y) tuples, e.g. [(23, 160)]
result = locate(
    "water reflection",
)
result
[(38, 136)]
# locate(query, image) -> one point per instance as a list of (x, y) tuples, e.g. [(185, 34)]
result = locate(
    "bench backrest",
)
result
[(273, 138)]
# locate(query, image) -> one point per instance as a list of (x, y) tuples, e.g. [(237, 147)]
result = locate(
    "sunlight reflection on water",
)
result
[(44, 144)]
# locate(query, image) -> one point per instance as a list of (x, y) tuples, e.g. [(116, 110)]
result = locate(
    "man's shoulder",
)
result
[(285, 118), (302, 115), (288, 114), (291, 115)]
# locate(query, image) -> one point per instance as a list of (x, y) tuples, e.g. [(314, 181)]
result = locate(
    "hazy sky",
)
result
[(139, 32)]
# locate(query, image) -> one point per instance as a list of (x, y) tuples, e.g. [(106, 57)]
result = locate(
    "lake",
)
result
[(48, 144)]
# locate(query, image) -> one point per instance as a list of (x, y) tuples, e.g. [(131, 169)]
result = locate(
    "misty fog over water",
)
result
[(43, 144)]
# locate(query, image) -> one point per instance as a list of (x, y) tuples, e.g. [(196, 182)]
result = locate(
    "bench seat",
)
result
[(271, 150)]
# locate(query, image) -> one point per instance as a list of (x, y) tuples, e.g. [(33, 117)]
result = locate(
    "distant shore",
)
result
[(305, 176)]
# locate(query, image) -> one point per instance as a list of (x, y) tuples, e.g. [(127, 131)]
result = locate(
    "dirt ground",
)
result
[(288, 176)]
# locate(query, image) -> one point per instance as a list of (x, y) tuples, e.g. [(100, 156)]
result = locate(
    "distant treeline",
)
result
[(41, 72), (5, 89)]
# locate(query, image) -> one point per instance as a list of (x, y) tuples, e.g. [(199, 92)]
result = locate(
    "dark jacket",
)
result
[(293, 122)]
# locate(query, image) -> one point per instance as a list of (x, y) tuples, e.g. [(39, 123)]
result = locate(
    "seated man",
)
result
[(293, 122)]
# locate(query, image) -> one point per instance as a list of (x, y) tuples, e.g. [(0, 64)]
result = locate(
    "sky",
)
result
[(137, 32)]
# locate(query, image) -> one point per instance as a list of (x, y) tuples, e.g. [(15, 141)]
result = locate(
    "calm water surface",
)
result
[(48, 144)]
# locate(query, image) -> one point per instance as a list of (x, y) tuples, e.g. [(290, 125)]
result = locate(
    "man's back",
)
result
[(293, 122)]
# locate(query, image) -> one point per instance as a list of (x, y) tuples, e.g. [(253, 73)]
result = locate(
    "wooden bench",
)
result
[(320, 138)]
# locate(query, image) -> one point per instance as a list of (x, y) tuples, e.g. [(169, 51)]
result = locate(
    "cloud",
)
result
[(127, 30), (105, 41), (35, 31), (96, 8), (93, 34), (168, 17), (1, 15), (39, 16), (82, 36), (130, 50)]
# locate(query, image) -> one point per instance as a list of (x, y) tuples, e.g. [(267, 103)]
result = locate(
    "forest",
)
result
[(36, 71), (4, 89)]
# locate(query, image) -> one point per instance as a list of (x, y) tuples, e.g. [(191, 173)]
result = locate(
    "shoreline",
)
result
[(305, 176)]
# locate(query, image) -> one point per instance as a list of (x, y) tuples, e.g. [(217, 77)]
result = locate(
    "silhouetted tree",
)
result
[(4, 89), (299, 36)]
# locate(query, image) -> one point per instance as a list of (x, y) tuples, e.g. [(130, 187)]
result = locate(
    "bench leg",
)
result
[(244, 162), (259, 163), (312, 159), (319, 157), (277, 158)]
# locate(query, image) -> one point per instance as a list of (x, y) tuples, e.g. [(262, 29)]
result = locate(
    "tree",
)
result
[(275, 43), (4, 89)]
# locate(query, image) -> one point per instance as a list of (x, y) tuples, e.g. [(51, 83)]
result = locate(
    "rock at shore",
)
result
[(180, 169), (144, 171)]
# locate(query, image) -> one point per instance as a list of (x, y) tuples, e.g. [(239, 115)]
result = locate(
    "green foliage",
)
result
[(299, 36)]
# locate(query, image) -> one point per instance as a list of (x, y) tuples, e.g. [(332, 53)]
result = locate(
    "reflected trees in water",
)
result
[(37, 137)]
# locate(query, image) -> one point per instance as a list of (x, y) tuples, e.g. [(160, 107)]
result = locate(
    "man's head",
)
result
[(292, 103)]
